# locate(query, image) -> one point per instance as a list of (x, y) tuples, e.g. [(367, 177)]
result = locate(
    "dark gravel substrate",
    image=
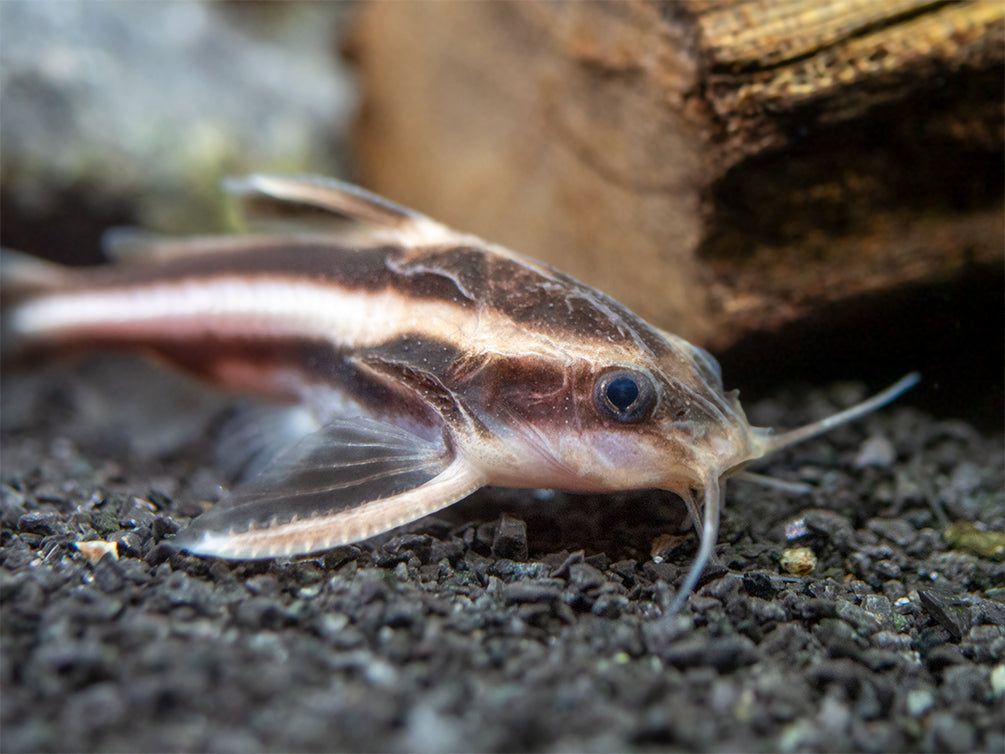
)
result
[(516, 620)]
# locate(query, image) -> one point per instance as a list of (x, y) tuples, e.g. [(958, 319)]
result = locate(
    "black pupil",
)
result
[(622, 392)]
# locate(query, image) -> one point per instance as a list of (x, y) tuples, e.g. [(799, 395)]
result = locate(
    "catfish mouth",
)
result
[(756, 443)]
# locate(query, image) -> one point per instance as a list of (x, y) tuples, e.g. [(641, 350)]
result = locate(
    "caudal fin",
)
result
[(23, 277)]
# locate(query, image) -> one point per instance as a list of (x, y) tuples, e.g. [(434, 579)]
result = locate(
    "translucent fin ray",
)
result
[(345, 482)]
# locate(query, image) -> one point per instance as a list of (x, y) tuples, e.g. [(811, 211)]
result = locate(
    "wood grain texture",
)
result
[(721, 167)]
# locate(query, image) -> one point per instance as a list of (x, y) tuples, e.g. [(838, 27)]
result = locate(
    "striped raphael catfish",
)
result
[(424, 364)]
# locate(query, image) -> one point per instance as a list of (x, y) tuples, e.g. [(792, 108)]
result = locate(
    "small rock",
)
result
[(261, 613), (104, 522), (963, 535), (136, 512), (891, 640), (158, 497), (984, 644), (609, 606), (895, 530), (600, 561), (723, 653), (665, 572), (163, 526), (881, 659), (134, 571), (96, 550), (903, 606), (940, 607), (841, 672), (840, 639), (816, 609), (264, 585), (965, 478), (996, 593), (129, 542), (159, 553), (830, 527), (964, 682), (988, 611), (510, 539), (765, 611), (894, 590), (796, 528), (699, 603), (627, 570), (17, 555), (758, 584), (876, 451), (798, 561), (722, 589), (878, 605), (828, 589), (402, 547), (484, 534), (520, 592), (886, 569), (929, 638), (907, 489), (943, 656), (919, 701), (583, 577), (333, 559), (863, 621), (43, 524), (946, 732), (998, 681), (107, 575), (659, 634), (564, 564)]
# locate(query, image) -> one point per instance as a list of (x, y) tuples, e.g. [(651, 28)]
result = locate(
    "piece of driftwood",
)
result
[(722, 167)]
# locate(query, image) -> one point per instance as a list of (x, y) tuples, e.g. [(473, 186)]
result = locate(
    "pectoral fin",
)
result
[(344, 483)]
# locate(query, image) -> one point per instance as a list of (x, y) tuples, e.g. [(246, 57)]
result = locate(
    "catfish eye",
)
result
[(624, 395)]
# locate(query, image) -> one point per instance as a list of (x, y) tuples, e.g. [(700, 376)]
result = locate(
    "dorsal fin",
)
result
[(22, 275), (124, 245), (289, 205), (306, 202)]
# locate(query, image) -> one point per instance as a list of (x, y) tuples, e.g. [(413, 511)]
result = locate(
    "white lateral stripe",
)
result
[(272, 307)]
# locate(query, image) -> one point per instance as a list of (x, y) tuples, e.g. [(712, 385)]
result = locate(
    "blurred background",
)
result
[(130, 113)]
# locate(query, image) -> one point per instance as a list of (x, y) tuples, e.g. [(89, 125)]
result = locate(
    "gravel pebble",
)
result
[(470, 635), (942, 607), (510, 539)]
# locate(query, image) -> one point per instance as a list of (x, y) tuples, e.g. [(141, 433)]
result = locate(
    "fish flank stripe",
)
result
[(275, 307)]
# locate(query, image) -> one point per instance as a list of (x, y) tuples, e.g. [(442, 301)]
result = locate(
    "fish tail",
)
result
[(22, 275), (23, 278)]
